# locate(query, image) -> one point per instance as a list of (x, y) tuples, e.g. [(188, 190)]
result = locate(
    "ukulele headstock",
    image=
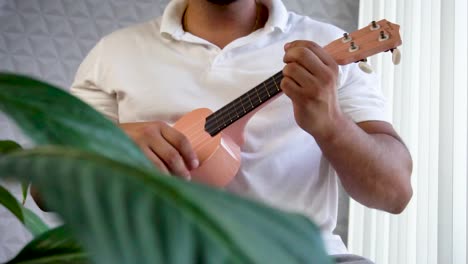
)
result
[(358, 46)]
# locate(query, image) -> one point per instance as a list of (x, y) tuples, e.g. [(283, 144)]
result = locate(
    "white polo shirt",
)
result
[(157, 71)]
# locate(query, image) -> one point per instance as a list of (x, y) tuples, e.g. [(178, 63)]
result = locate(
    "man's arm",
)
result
[(373, 164), (370, 159)]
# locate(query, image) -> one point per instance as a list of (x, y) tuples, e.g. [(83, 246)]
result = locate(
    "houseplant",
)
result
[(120, 208)]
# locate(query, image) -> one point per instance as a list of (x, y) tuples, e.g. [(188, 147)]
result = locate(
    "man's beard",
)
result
[(221, 2)]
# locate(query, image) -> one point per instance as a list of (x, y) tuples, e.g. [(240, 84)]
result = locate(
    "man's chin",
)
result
[(221, 2)]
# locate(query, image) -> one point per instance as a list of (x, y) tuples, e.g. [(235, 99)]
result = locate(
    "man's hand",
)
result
[(310, 77), (369, 157), (166, 147)]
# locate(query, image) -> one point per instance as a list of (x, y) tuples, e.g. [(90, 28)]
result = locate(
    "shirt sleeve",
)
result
[(87, 84), (360, 95)]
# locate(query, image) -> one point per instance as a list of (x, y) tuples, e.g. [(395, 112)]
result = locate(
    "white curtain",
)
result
[(427, 97)]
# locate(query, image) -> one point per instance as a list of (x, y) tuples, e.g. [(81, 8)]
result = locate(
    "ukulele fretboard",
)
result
[(243, 105)]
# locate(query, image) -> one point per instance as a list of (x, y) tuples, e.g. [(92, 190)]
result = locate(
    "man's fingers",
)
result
[(301, 76), (166, 147), (321, 54), (291, 89), (171, 158), (320, 68), (155, 159), (182, 144), (306, 58)]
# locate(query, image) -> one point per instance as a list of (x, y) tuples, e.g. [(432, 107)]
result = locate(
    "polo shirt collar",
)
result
[(171, 23)]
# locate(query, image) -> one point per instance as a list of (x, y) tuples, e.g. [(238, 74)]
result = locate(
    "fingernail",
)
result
[(287, 46), (188, 177), (195, 163)]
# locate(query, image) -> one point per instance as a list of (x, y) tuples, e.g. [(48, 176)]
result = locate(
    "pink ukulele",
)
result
[(217, 137)]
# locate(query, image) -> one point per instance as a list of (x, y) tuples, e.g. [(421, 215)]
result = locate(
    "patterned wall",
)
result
[(49, 38)]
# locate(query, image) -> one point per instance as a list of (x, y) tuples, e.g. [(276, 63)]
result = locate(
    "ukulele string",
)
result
[(208, 124), (225, 114), (240, 105), (263, 95), (200, 142)]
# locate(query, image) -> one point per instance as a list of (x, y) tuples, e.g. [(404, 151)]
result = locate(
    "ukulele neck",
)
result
[(243, 105)]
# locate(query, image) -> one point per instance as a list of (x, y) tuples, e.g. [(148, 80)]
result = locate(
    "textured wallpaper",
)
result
[(49, 38)]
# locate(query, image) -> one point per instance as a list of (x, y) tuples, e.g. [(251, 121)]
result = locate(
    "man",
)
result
[(205, 53)]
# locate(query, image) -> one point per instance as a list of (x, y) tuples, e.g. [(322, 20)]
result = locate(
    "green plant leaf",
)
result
[(24, 191), (50, 116), (54, 246), (128, 215), (34, 223), (11, 204), (30, 220), (7, 146)]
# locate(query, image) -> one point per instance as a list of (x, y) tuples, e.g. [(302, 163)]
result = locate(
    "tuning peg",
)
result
[(365, 67), (374, 25), (346, 38), (383, 36), (353, 47), (396, 56)]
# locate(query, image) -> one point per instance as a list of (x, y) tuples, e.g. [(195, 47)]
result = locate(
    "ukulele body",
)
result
[(219, 156)]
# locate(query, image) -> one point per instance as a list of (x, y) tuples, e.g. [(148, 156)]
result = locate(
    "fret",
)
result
[(237, 108), (251, 103), (254, 97), (256, 91), (246, 105), (229, 111), (266, 89), (217, 123), (242, 103), (251, 98), (223, 117), (277, 88)]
